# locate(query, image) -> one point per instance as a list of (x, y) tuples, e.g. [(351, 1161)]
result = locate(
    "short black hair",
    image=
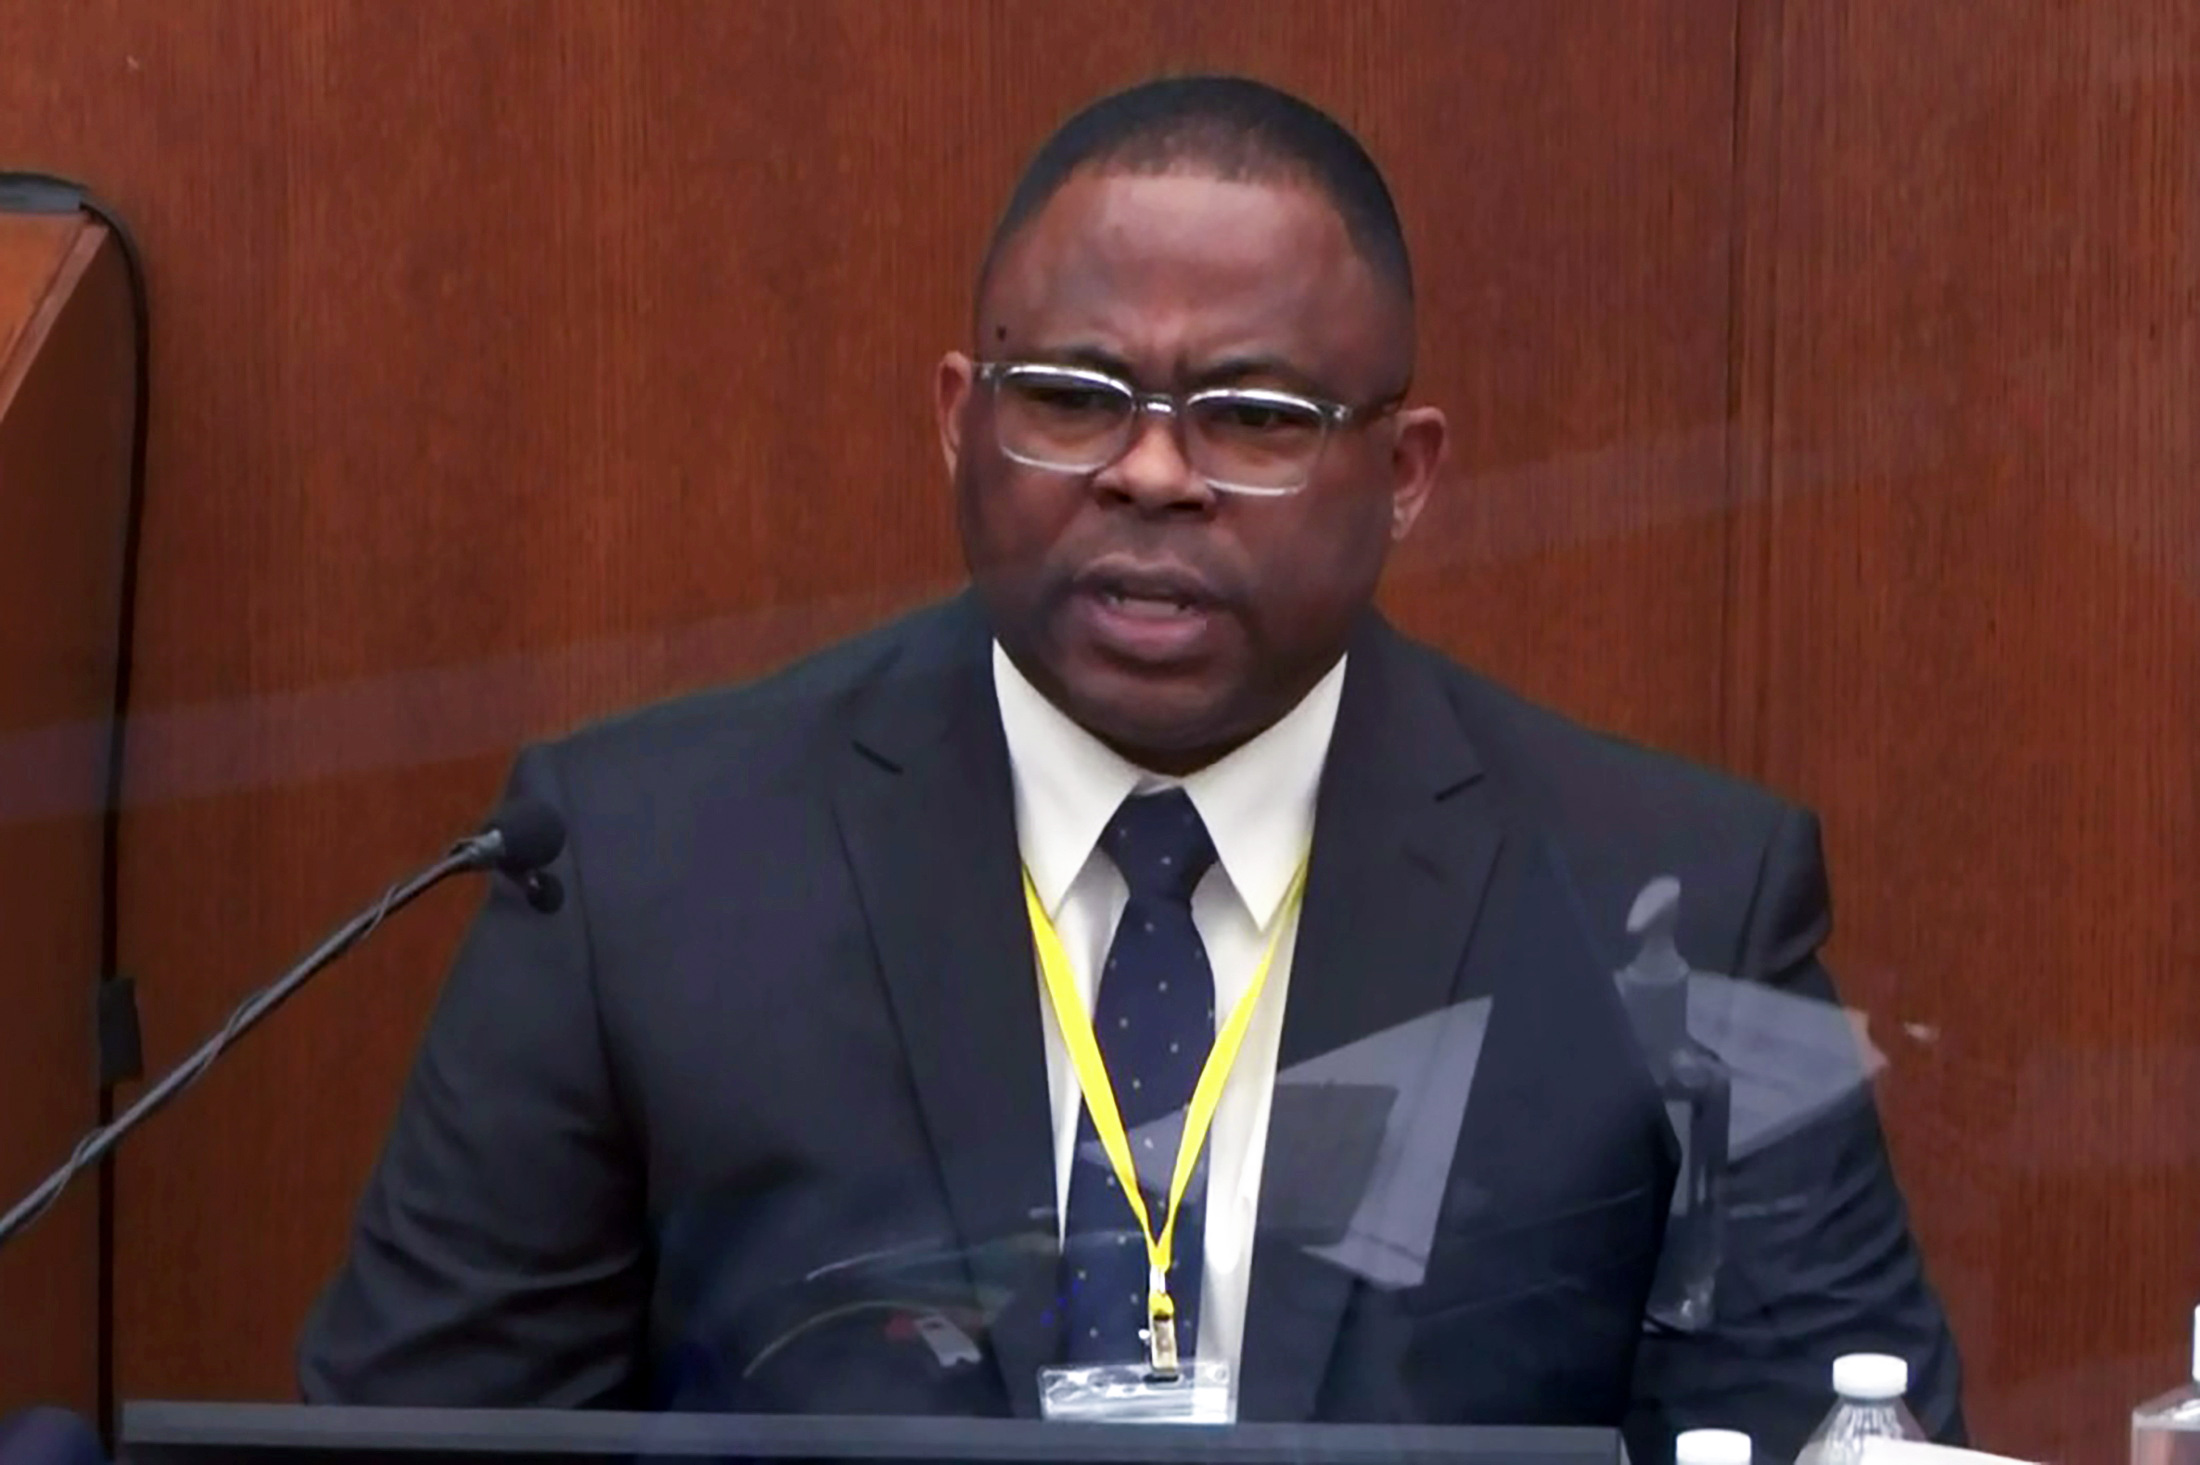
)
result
[(1233, 128)]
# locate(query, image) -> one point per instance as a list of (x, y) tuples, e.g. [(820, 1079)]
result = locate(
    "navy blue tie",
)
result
[(1155, 1018)]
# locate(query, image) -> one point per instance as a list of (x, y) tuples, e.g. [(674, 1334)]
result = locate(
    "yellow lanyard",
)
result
[(1107, 1119)]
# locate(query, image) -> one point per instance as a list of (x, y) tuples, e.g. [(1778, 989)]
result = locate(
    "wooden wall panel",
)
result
[(520, 360), (66, 382), (1969, 631)]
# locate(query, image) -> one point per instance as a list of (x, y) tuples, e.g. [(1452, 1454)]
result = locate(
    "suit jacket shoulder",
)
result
[(1615, 814), (775, 724)]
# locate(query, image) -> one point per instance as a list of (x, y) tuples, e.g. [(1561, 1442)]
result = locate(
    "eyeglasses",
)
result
[(1250, 440)]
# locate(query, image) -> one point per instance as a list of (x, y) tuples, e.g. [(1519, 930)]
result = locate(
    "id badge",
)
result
[(1128, 1393)]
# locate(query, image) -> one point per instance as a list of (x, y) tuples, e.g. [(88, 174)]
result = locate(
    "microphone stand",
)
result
[(469, 854)]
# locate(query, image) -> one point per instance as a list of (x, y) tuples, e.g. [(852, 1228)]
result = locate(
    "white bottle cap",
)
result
[(1870, 1376), (2196, 1345), (1711, 1447)]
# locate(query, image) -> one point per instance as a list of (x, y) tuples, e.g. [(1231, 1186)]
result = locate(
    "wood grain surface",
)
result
[(65, 397), (1974, 622)]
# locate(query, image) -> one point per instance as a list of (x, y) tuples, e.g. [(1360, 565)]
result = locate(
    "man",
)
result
[(798, 1103)]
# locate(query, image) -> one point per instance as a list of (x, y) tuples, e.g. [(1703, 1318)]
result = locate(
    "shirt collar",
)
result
[(1257, 803)]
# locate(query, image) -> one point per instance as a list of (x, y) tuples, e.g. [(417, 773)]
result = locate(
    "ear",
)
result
[(951, 384), (1420, 439)]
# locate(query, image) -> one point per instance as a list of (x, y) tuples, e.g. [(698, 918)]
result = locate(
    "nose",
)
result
[(1152, 474)]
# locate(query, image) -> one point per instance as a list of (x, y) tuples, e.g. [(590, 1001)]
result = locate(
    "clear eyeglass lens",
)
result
[(1063, 420), (1253, 440)]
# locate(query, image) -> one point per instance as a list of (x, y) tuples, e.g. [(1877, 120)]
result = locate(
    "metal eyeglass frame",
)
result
[(1173, 405)]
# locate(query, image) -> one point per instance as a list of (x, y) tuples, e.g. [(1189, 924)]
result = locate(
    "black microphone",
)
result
[(524, 836), (518, 842), (521, 840)]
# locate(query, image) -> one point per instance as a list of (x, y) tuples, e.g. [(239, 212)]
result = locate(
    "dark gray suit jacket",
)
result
[(788, 1018)]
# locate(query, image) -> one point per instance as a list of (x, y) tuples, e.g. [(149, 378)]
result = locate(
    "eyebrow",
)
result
[(1228, 371)]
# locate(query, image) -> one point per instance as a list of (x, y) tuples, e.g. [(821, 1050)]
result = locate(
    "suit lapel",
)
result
[(1403, 846), (926, 811)]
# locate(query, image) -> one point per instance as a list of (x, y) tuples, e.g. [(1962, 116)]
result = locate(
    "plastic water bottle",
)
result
[(1870, 1386), (2166, 1431), (1711, 1447)]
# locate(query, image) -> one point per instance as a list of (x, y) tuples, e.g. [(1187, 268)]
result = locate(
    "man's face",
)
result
[(1172, 619)]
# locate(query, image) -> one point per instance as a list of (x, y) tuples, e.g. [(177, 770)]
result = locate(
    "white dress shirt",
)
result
[(1258, 806)]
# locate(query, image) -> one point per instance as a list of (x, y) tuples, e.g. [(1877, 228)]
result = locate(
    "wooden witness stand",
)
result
[(66, 402)]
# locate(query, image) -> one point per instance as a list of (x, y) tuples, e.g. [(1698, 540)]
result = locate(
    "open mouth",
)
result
[(1147, 614), (1146, 604), (1122, 581)]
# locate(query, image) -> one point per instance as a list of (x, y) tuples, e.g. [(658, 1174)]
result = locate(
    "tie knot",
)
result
[(1160, 844)]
